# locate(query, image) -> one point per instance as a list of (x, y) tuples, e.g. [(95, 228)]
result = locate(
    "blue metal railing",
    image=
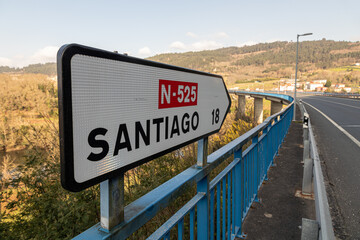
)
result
[(219, 207)]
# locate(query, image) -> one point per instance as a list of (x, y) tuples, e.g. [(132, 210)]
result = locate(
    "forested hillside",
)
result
[(322, 59), (324, 54), (242, 64), (47, 69)]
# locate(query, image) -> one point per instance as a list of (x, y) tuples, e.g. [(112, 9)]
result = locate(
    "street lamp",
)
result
[(297, 50)]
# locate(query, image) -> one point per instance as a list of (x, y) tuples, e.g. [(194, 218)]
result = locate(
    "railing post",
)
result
[(203, 187), (239, 204), (112, 202), (254, 180)]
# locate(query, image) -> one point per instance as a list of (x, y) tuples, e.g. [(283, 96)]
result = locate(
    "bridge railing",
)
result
[(219, 207)]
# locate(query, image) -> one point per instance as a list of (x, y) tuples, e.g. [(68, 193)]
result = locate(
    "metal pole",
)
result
[(203, 209), (296, 68), (112, 202), (297, 50)]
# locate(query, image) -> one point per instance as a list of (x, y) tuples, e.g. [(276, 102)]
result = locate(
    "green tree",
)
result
[(328, 84)]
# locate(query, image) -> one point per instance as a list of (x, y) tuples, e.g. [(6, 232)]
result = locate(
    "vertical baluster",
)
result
[(192, 223), (233, 200), (218, 213), (248, 159), (243, 174), (224, 207), (181, 229), (263, 155), (238, 192), (255, 140), (245, 181), (212, 219), (229, 205)]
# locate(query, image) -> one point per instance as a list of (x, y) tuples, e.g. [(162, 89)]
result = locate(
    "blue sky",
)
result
[(32, 31)]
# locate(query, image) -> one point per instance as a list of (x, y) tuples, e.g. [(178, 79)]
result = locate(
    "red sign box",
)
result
[(177, 94)]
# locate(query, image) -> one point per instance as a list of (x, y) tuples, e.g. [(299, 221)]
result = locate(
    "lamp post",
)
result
[(297, 50)]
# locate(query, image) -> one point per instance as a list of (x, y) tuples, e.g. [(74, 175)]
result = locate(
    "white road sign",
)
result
[(117, 112)]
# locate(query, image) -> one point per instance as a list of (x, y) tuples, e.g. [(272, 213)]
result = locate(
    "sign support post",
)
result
[(203, 187), (202, 152), (112, 202)]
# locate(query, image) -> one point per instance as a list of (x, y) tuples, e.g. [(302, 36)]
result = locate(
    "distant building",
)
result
[(339, 85), (312, 86), (288, 87), (323, 81), (347, 89), (321, 89)]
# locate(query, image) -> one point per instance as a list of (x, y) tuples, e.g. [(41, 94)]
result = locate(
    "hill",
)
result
[(323, 59), (47, 69), (266, 61)]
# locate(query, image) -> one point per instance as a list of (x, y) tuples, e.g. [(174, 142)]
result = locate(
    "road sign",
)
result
[(117, 112)]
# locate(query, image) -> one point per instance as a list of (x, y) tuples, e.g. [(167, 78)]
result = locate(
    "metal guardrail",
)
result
[(328, 94), (286, 98), (220, 205), (313, 177)]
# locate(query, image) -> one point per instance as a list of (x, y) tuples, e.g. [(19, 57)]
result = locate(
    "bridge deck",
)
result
[(279, 213)]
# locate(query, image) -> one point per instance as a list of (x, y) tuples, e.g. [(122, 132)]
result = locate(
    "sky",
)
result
[(32, 31)]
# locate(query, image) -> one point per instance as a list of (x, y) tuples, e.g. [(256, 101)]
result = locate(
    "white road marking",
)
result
[(351, 126), (347, 99), (337, 103), (336, 125)]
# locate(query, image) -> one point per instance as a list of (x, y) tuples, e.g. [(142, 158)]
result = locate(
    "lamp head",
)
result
[(305, 34)]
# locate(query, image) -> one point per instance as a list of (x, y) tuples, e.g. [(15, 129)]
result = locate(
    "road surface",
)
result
[(336, 124)]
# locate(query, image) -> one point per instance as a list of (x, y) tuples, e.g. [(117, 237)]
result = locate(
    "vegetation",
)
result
[(47, 69), (32, 202), (322, 59)]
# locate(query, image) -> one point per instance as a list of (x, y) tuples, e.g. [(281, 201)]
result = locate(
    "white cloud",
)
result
[(191, 34), (221, 35), (145, 51), (206, 45), (196, 46), (5, 61), (178, 45), (44, 55), (248, 43)]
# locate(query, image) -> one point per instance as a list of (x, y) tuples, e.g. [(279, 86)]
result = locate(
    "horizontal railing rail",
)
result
[(328, 94), (220, 205)]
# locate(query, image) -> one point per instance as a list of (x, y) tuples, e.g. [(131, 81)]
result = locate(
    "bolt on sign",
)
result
[(117, 112)]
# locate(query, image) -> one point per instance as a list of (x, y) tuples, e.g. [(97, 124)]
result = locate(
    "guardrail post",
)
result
[(112, 202), (305, 132), (203, 187), (308, 171)]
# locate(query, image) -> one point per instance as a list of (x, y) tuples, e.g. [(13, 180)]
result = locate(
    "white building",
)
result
[(312, 86), (320, 81)]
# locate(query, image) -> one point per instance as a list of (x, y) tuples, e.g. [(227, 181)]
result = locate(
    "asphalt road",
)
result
[(340, 154)]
